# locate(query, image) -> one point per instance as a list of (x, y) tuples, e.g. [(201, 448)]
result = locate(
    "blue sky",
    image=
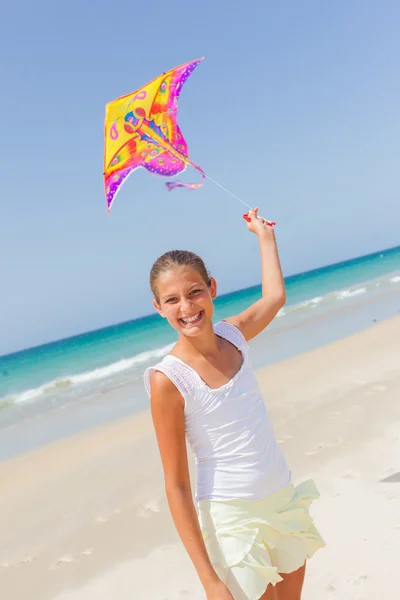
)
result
[(295, 109)]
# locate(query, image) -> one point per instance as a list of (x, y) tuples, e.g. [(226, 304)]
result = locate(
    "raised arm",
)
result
[(257, 316), (167, 408)]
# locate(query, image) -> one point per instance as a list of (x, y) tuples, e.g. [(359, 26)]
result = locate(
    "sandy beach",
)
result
[(86, 517)]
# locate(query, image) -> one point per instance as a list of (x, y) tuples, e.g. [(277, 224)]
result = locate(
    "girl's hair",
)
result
[(177, 258)]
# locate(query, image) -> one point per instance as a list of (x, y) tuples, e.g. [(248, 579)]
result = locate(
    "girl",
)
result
[(253, 532)]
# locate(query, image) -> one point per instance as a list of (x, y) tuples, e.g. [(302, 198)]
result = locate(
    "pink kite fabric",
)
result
[(189, 186), (141, 130)]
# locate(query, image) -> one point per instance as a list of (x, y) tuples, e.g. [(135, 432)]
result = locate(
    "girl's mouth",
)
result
[(193, 320)]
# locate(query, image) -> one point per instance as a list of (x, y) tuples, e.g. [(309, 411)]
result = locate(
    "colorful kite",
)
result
[(141, 130)]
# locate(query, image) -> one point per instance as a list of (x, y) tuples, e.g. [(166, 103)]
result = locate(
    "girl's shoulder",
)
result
[(181, 375)]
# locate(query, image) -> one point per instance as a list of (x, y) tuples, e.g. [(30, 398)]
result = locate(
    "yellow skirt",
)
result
[(251, 541)]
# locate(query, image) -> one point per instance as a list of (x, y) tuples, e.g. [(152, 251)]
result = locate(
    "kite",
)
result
[(141, 130)]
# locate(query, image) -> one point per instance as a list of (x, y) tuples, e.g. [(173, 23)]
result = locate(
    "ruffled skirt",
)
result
[(250, 542)]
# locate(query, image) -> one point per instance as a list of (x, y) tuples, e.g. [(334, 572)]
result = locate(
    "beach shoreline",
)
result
[(86, 516), (322, 305), (28, 425)]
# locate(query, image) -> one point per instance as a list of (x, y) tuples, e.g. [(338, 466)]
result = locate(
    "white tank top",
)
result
[(228, 429)]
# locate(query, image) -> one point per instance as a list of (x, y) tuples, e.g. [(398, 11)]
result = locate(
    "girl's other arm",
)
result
[(167, 408), (256, 318)]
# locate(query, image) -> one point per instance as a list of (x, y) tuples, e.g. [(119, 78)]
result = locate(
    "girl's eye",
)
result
[(195, 291), (171, 300)]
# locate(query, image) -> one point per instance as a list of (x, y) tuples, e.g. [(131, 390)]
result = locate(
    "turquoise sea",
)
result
[(334, 301)]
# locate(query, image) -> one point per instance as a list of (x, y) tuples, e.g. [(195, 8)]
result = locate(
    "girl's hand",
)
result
[(258, 225), (219, 591)]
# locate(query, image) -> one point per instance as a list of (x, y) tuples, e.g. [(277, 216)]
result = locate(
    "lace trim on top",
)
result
[(230, 333), (184, 377)]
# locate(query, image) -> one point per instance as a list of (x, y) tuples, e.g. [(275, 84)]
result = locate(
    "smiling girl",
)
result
[(252, 533)]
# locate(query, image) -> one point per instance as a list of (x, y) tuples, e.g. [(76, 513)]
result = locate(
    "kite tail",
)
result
[(171, 185)]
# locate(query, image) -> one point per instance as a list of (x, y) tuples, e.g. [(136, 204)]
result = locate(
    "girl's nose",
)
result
[(185, 304)]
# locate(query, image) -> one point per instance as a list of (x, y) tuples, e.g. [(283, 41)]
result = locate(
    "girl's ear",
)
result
[(213, 288), (158, 308)]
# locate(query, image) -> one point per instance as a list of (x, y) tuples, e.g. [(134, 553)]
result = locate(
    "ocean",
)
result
[(322, 305)]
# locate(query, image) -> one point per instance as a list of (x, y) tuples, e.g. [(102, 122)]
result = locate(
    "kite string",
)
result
[(234, 196), (227, 191)]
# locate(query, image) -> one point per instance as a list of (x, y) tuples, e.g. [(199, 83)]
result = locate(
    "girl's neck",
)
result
[(206, 344)]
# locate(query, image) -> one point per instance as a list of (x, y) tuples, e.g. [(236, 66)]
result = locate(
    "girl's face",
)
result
[(185, 300)]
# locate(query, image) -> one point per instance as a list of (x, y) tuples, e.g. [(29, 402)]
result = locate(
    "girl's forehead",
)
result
[(182, 275)]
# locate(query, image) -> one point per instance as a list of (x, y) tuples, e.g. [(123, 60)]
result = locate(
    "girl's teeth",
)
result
[(191, 319)]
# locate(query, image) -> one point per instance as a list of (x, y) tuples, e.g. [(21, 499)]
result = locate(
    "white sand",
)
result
[(86, 517)]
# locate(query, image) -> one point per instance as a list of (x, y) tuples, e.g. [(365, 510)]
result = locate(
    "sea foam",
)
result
[(88, 376)]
